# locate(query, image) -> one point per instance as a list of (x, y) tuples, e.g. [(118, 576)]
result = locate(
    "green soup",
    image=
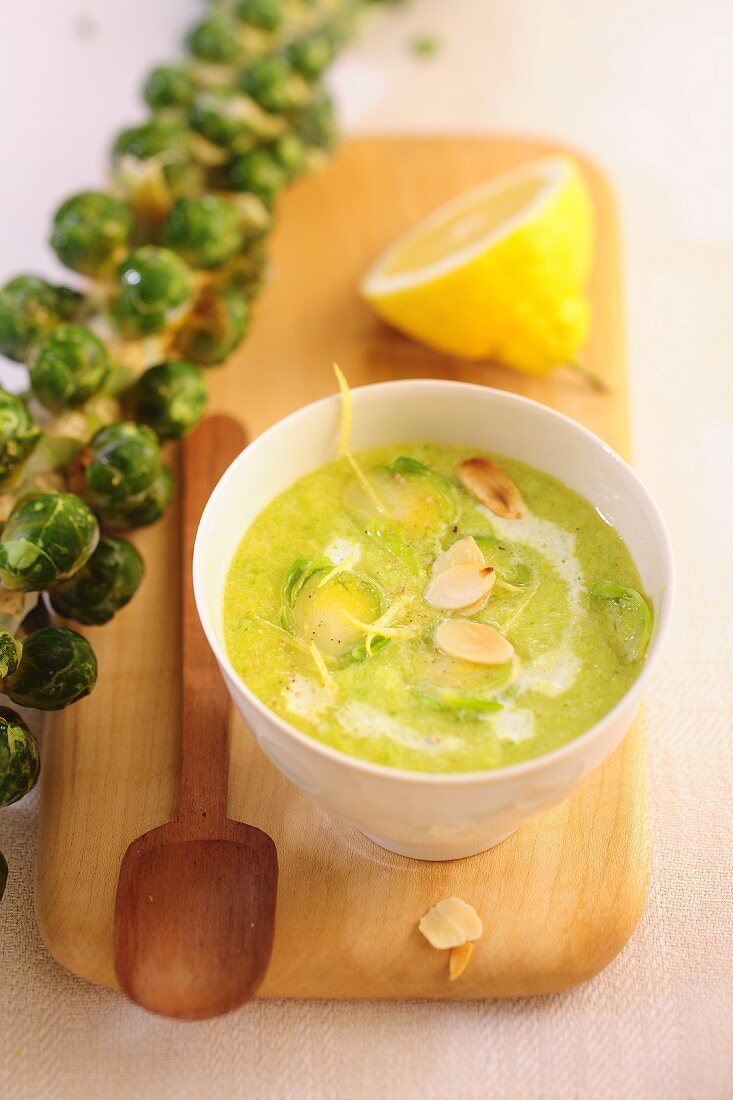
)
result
[(354, 544)]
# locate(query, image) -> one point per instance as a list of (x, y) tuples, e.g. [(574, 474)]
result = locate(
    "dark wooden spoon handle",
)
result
[(196, 897), (205, 701)]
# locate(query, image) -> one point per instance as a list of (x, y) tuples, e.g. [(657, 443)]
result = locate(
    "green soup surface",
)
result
[(354, 542)]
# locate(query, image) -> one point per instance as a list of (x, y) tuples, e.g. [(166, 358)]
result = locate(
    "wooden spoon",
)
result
[(195, 905)]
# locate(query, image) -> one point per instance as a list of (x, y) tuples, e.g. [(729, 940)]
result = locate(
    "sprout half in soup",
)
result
[(331, 607), (407, 493)]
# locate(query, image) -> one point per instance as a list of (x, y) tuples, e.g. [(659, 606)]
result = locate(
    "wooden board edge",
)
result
[(64, 941), (558, 977), (564, 972)]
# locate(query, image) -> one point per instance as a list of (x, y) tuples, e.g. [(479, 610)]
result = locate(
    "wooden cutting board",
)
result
[(561, 897)]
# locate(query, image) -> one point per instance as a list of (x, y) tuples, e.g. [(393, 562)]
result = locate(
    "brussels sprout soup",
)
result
[(433, 608)]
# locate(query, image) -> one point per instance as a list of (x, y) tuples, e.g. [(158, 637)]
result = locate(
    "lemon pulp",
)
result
[(498, 273)]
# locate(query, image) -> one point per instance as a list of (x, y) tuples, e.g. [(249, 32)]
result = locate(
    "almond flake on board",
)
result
[(459, 959), (475, 642), (460, 586), (451, 923), (492, 487)]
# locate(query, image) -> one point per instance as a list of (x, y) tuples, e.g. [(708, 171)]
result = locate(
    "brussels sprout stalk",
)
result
[(14, 608), (173, 254)]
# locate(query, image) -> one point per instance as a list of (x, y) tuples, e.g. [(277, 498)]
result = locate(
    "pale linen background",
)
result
[(646, 86)]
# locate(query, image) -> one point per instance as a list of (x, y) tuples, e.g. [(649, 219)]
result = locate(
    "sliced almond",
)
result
[(475, 642), (460, 553), (492, 487), (474, 608), (458, 960), (451, 923), (460, 586)]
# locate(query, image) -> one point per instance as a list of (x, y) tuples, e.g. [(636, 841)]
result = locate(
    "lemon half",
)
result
[(498, 273)]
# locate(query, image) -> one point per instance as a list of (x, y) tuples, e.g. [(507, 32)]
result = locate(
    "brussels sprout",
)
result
[(69, 367), (20, 763), (290, 153), (46, 538), (204, 231), (627, 617), (310, 54), (154, 285), (255, 220), (230, 120), (168, 86), (216, 39), (320, 604), (257, 172), (10, 651), (265, 14), (30, 308), (123, 478), (105, 584), (147, 509), (316, 123), (3, 875), (405, 493), (121, 462), (153, 164), (89, 230), (214, 327), (170, 398), (246, 273), (184, 178), (272, 83), (18, 434), (157, 137), (57, 667), (220, 116)]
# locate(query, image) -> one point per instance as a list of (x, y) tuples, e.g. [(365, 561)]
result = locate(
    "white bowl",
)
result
[(427, 815)]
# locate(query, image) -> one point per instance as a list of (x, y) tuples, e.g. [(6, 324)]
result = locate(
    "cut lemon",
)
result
[(498, 273)]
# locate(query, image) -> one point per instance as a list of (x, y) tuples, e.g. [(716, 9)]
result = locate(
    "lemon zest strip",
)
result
[(340, 567), (297, 642), (345, 408), (305, 647), (380, 627), (326, 677), (346, 418), (374, 628), (365, 483)]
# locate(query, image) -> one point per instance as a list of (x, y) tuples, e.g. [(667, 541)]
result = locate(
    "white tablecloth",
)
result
[(646, 86)]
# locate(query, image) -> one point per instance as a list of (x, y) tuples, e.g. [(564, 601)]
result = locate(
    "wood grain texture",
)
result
[(195, 903), (560, 898)]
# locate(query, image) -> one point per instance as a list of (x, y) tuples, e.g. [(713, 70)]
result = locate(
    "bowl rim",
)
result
[(632, 697)]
